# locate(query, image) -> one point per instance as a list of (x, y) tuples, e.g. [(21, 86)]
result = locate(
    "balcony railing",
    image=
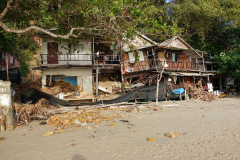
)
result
[(78, 59), (66, 59), (107, 59)]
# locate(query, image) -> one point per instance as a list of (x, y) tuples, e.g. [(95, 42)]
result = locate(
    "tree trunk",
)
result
[(7, 115), (158, 81)]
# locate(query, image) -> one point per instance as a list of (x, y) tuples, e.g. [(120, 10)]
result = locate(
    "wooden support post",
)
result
[(40, 61), (50, 81), (159, 77), (32, 75), (121, 62), (194, 81), (97, 83), (93, 54), (220, 83), (154, 58), (7, 68), (150, 80)]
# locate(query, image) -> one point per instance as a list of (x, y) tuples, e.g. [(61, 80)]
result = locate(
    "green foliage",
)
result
[(154, 21), (202, 17), (230, 58), (8, 42), (20, 46), (229, 63), (24, 69)]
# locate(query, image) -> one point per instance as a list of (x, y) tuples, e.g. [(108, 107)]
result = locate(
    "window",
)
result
[(209, 67), (75, 49), (131, 57), (3, 56), (174, 57), (11, 60), (141, 56)]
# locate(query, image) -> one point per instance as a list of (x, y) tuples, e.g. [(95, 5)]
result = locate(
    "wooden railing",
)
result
[(154, 65), (182, 65)]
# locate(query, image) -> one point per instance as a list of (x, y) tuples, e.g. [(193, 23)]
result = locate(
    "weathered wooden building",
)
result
[(182, 63), (135, 61)]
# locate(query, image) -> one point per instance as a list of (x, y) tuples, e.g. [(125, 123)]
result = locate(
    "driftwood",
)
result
[(68, 109)]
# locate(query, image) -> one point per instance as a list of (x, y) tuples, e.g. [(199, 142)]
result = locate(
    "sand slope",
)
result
[(210, 131)]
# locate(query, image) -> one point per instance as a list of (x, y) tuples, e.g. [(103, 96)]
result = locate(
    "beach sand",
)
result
[(209, 130)]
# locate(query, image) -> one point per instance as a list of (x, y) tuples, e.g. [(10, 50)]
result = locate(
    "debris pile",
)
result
[(198, 92), (61, 87), (81, 118), (108, 89), (26, 113)]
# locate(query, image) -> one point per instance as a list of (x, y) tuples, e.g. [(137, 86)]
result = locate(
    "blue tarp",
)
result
[(72, 80), (178, 91)]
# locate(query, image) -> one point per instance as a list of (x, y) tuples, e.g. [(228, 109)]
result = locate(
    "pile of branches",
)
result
[(42, 110), (199, 92)]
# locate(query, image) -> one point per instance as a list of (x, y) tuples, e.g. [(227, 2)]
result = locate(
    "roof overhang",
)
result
[(187, 74)]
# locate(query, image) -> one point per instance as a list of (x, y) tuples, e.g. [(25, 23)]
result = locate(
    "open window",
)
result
[(75, 48)]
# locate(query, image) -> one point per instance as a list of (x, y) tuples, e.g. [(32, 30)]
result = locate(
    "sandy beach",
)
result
[(208, 130)]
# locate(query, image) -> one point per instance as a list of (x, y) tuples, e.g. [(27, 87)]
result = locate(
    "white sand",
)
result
[(212, 131)]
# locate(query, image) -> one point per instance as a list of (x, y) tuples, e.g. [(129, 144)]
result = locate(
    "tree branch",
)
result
[(9, 7), (19, 31)]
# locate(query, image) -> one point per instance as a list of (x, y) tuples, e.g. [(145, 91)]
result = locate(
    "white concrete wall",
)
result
[(84, 77), (5, 94), (7, 117), (63, 50)]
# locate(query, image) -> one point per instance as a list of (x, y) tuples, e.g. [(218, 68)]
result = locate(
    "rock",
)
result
[(2, 138), (48, 133), (61, 131), (150, 139), (141, 108), (172, 134), (42, 123), (83, 124), (112, 124), (88, 127), (77, 122)]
